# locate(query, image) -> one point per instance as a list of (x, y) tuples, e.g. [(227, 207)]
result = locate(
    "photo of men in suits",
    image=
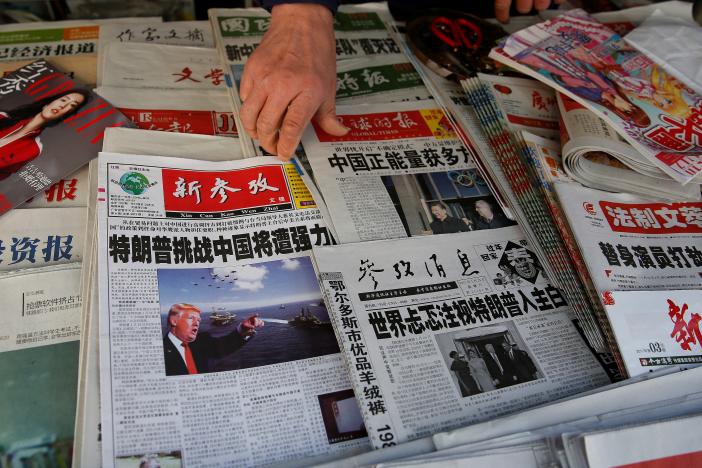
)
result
[(509, 365), (187, 352)]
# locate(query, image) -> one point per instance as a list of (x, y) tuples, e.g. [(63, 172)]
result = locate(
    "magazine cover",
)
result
[(49, 127), (590, 63)]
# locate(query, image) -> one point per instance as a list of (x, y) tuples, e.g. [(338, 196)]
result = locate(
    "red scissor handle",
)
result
[(457, 33)]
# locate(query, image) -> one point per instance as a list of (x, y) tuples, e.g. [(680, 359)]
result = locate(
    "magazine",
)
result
[(39, 364), (401, 171), (77, 67), (224, 250), (439, 335), (596, 156), (204, 112), (49, 127), (656, 328), (68, 192), (590, 63)]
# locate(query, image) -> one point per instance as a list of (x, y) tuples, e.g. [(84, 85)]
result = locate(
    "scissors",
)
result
[(457, 33)]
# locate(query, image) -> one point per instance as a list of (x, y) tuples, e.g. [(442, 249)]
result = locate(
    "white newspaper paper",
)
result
[(41, 237), (401, 171), (156, 143), (656, 328), (178, 33), (438, 335), (673, 443), (135, 65), (674, 43), (631, 244), (231, 240), (527, 104)]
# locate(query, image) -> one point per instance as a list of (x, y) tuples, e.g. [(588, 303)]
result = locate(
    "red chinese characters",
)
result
[(181, 121), (685, 332), (654, 218), (380, 126), (225, 191)]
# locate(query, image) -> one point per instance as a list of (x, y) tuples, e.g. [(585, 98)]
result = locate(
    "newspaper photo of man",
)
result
[(462, 369), (487, 358), (444, 223), (231, 318), (187, 353), (489, 218), (521, 262)]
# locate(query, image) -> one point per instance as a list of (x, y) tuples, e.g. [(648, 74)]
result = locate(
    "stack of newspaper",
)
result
[(233, 309), (511, 108)]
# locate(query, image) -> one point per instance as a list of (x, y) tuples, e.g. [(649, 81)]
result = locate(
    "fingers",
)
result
[(524, 6), (270, 120), (502, 10), (251, 108), (296, 118), (541, 4), (326, 118)]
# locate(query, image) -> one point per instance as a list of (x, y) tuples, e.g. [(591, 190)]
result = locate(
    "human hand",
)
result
[(291, 78), (523, 6), (249, 325)]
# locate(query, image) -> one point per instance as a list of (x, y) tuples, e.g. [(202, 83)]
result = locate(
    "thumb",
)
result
[(326, 118)]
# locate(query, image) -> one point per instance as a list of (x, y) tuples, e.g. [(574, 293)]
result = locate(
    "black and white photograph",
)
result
[(487, 358), (518, 264), (444, 202), (342, 417), (220, 319)]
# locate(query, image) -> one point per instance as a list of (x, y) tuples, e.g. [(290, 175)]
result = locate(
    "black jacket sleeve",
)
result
[(331, 4)]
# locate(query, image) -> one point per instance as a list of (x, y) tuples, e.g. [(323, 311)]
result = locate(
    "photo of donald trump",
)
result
[(188, 352)]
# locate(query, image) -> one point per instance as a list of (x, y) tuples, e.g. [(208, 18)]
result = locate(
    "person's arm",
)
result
[(291, 78)]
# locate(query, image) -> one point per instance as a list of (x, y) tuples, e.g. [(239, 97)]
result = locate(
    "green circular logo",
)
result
[(134, 183)]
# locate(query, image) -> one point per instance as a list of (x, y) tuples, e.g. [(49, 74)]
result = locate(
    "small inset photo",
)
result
[(487, 358), (342, 417), (151, 460), (518, 265), (444, 202)]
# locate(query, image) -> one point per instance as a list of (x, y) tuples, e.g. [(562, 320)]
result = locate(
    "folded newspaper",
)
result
[(596, 156), (439, 335), (590, 63), (215, 344)]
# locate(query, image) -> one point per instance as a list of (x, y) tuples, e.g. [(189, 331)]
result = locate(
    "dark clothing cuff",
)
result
[(331, 4)]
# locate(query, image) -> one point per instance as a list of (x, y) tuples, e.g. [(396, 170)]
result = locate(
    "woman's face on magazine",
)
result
[(62, 106)]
